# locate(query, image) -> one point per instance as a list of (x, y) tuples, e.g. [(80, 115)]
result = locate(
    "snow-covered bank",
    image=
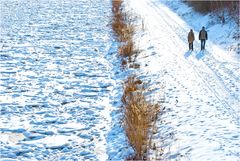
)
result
[(201, 117), (223, 35), (60, 84)]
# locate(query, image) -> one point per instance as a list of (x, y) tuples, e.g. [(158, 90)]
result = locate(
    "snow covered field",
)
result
[(201, 120), (60, 83)]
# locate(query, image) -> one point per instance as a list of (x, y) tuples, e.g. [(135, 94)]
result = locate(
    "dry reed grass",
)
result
[(139, 114), (139, 117), (122, 25)]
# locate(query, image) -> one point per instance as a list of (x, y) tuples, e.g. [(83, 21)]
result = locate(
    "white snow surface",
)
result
[(200, 120), (60, 82)]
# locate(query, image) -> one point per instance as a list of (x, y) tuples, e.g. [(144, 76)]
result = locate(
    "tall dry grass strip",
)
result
[(139, 114), (139, 117), (122, 25)]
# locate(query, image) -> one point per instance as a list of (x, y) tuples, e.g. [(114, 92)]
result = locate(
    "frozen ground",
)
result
[(201, 117), (60, 84)]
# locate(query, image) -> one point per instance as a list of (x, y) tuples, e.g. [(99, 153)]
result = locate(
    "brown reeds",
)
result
[(139, 117), (217, 7), (139, 114), (124, 29)]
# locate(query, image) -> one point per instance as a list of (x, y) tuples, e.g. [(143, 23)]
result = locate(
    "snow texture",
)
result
[(201, 116), (60, 82)]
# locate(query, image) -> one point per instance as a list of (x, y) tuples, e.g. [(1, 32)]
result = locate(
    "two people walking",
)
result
[(202, 37)]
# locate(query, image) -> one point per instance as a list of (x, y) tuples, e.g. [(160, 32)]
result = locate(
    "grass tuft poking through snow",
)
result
[(139, 117), (122, 25)]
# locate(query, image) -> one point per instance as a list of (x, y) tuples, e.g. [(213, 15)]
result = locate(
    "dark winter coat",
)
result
[(203, 35), (191, 37)]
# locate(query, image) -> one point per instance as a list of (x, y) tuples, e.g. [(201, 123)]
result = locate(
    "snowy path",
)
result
[(59, 89), (202, 116)]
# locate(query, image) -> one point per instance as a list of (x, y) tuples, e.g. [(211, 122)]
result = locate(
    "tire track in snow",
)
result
[(200, 126), (210, 61), (216, 81)]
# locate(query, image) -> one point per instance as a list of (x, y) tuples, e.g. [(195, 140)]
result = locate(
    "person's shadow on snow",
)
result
[(187, 54), (200, 55)]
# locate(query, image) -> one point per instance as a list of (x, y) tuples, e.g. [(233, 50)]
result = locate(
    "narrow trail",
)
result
[(201, 120), (207, 69)]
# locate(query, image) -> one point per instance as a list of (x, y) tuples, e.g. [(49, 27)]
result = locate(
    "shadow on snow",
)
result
[(199, 55), (187, 54)]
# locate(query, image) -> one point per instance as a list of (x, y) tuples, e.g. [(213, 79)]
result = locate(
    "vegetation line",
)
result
[(217, 7), (139, 114)]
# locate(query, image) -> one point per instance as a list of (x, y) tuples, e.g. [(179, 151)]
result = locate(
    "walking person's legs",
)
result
[(204, 42), (190, 46), (201, 44)]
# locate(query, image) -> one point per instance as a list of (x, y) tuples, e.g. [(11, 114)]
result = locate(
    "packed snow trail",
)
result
[(201, 119), (60, 86)]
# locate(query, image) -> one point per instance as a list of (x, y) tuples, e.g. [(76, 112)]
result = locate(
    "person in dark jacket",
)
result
[(191, 38), (203, 37)]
